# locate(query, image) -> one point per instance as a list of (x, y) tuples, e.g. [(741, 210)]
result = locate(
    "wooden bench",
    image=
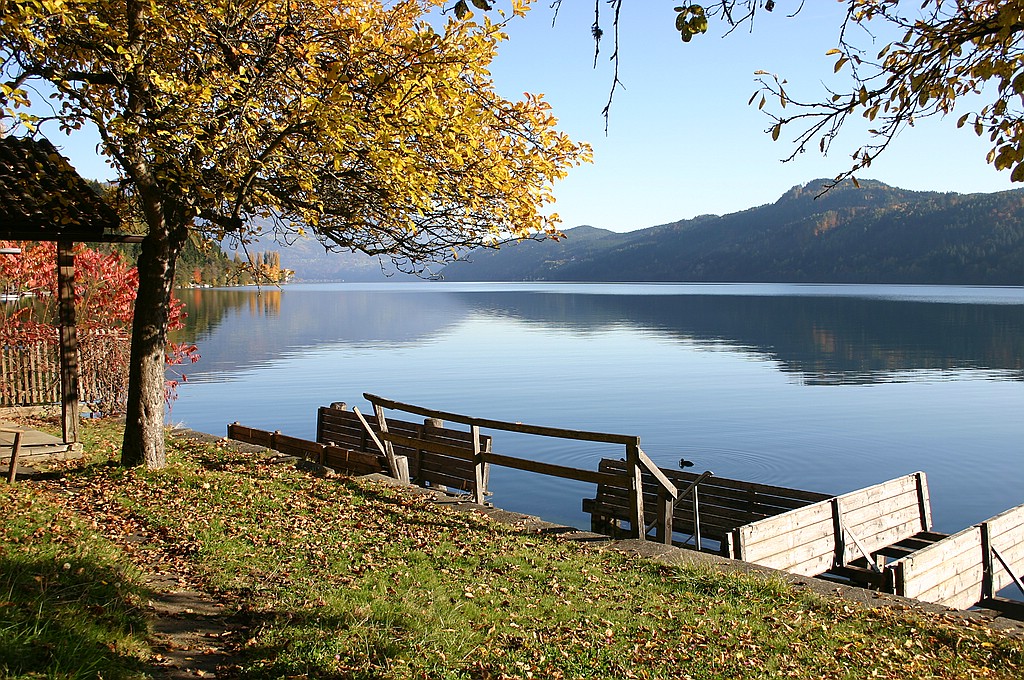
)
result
[(850, 536), (340, 427), (343, 444), (721, 504), (968, 568)]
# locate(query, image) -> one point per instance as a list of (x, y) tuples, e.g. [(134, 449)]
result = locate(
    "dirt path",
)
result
[(194, 634)]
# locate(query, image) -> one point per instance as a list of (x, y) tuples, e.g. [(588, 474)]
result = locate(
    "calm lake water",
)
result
[(826, 388)]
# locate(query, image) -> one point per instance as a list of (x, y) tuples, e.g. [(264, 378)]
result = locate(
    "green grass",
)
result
[(345, 579), (69, 604)]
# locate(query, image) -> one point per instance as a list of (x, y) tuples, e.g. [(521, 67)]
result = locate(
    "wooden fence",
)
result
[(342, 459), (414, 443), (30, 376)]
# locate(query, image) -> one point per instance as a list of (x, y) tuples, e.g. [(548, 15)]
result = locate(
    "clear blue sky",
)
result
[(682, 140)]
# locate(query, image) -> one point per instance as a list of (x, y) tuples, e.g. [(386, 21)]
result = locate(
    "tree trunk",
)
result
[(144, 417)]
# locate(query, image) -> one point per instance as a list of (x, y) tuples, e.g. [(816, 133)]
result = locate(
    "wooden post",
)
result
[(666, 510), (696, 520), (636, 487), (478, 467), (389, 449), (68, 341), (987, 564), (487, 466), (12, 472), (839, 531), (923, 501)]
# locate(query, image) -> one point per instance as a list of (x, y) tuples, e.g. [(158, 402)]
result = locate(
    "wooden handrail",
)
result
[(652, 467), (525, 464), (636, 459), (541, 430)]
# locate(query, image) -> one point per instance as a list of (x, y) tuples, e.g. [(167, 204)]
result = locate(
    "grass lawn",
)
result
[(339, 578)]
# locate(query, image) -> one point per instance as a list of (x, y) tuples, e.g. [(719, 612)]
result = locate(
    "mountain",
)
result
[(872, 234)]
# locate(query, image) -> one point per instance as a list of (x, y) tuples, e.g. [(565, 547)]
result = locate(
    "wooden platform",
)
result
[(36, 446)]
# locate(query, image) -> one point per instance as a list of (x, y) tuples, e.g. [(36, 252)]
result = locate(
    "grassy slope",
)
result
[(344, 579)]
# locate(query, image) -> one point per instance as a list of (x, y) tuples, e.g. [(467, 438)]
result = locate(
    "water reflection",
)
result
[(823, 340), (818, 339), (246, 328)]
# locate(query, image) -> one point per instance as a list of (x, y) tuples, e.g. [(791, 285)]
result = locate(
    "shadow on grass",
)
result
[(325, 643), (69, 618)]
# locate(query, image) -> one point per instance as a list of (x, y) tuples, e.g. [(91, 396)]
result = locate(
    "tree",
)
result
[(355, 120), (943, 52)]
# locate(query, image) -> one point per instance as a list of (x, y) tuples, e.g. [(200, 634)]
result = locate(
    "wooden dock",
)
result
[(880, 537)]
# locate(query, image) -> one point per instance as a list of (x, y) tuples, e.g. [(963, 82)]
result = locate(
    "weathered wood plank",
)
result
[(952, 548), (351, 461), (960, 589), (949, 572), (445, 448), (774, 529), (294, 446), (795, 546), (250, 435), (900, 508), (878, 492), (503, 425), (811, 563), (433, 465)]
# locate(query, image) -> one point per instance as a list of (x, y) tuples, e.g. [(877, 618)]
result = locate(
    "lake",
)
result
[(820, 387)]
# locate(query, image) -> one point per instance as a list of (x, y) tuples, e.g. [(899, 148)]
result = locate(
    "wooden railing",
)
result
[(637, 462)]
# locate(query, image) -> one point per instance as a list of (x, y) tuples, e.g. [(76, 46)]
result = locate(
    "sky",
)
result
[(682, 140)]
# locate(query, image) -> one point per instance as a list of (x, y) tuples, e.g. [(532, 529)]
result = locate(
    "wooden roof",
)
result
[(43, 198)]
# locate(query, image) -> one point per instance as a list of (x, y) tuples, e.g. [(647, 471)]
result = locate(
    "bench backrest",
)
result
[(813, 539), (343, 428), (724, 504), (961, 570)]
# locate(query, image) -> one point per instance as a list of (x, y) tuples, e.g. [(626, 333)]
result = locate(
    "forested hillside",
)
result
[(203, 263), (872, 234)]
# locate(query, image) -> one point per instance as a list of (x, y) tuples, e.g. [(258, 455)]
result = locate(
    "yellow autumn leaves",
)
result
[(375, 123)]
